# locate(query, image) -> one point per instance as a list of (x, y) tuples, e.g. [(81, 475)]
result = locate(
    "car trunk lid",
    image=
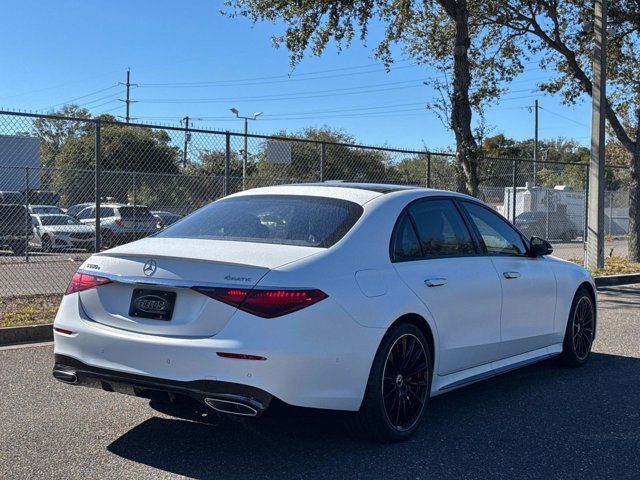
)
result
[(167, 266)]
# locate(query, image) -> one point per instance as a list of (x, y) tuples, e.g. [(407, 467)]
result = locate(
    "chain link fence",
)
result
[(69, 187)]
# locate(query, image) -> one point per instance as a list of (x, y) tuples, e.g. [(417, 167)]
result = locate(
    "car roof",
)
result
[(360, 193)]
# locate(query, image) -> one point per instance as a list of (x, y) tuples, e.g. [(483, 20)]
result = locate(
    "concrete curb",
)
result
[(27, 333), (613, 280)]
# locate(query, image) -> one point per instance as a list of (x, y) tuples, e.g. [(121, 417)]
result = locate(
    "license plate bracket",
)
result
[(153, 304)]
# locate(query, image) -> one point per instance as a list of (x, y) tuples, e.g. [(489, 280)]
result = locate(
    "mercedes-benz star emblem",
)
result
[(150, 268)]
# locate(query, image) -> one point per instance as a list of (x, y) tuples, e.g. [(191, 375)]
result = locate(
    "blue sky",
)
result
[(190, 60)]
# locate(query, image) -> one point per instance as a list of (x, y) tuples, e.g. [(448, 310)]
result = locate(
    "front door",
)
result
[(528, 283), (435, 255)]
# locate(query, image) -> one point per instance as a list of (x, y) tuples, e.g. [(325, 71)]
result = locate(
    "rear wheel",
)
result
[(399, 384), (46, 244), (18, 248), (107, 240), (580, 332)]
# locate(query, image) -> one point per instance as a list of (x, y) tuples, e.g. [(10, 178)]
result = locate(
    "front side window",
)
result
[(441, 229), (279, 219), (498, 236)]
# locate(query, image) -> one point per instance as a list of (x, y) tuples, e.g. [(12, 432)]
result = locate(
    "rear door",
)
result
[(433, 252), (528, 283)]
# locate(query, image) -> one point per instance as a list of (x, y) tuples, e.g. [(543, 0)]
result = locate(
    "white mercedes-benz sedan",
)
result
[(356, 297)]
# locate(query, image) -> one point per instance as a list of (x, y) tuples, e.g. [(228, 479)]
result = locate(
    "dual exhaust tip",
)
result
[(66, 376), (225, 403), (235, 405)]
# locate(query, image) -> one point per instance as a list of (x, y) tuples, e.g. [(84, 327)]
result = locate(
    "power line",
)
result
[(272, 77), (81, 97), (564, 117)]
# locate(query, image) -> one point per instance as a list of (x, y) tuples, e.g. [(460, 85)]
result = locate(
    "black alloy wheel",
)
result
[(405, 382), (580, 331), (399, 385)]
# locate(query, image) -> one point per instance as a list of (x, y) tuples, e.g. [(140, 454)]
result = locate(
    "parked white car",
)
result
[(120, 223), (355, 297), (53, 232)]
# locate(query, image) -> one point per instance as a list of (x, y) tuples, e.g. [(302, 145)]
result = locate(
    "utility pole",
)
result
[(127, 99), (187, 139), (595, 216), (535, 141)]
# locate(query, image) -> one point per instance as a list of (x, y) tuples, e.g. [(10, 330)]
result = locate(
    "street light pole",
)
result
[(595, 216), (246, 147)]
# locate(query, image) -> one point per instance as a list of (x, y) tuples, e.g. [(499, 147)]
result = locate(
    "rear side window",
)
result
[(499, 237), (279, 219), (12, 214), (406, 245), (441, 229)]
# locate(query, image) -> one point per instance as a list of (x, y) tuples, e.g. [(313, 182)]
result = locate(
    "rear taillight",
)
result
[(118, 222), (83, 281), (264, 303)]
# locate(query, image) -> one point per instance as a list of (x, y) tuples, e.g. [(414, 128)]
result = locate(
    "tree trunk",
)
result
[(466, 147), (634, 205)]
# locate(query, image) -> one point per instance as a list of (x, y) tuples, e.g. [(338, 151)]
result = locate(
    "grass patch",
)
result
[(613, 265), (616, 266), (31, 310)]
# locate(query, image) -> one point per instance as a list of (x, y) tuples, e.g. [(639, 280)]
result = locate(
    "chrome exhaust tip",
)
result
[(235, 405), (66, 376)]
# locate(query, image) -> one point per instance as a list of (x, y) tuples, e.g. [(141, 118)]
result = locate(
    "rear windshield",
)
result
[(10, 197), (138, 213), (279, 219), (12, 213)]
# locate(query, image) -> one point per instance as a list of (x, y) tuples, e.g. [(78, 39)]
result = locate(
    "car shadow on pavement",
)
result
[(543, 421)]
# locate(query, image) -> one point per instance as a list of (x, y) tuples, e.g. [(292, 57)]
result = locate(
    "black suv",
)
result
[(15, 228)]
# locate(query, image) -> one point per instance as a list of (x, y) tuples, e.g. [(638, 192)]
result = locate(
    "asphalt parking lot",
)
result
[(543, 421)]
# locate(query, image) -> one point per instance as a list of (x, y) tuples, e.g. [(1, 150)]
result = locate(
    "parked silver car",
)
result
[(120, 223), (55, 232)]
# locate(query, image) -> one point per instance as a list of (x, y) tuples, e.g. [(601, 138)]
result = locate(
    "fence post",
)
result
[(586, 215), (227, 163), (611, 212), (97, 179), (135, 204), (323, 159), (428, 170), (515, 182), (28, 219)]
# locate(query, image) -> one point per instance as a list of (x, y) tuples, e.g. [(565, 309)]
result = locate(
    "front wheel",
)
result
[(580, 332), (399, 384)]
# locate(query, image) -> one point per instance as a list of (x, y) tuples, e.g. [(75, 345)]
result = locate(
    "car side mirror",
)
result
[(539, 247)]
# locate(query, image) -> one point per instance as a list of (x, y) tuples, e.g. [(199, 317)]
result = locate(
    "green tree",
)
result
[(343, 162), (447, 35), (53, 133), (133, 158)]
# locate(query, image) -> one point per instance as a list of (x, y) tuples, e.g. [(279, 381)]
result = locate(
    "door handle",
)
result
[(435, 282), (511, 275)]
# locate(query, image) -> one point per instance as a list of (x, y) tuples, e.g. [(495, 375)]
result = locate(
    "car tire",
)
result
[(393, 406), (580, 331), (47, 246), (18, 249), (107, 240)]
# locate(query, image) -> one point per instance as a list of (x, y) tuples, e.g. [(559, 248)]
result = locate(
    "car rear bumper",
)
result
[(318, 357), (245, 400)]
